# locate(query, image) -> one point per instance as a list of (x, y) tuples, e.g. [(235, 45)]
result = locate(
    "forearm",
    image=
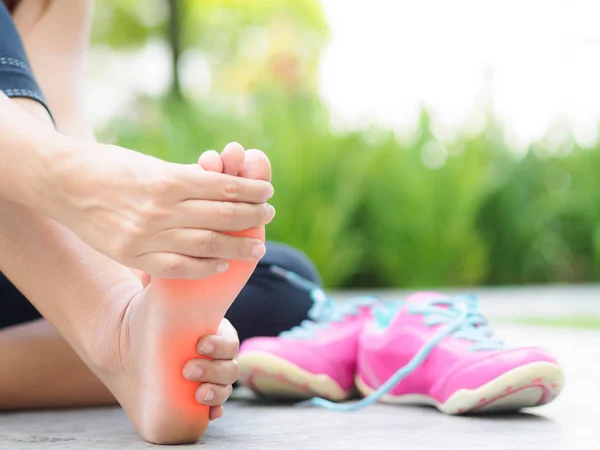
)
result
[(29, 147), (61, 275)]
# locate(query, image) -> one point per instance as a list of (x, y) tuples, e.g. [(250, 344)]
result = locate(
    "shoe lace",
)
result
[(461, 320), (474, 327), (324, 311)]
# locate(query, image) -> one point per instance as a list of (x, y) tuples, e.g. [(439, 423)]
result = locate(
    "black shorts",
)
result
[(16, 76)]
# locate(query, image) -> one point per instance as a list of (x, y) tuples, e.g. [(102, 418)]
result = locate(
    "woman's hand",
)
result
[(162, 218), (217, 374)]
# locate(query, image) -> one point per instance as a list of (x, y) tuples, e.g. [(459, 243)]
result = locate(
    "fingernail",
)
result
[(258, 250), (207, 349), (270, 191), (194, 373), (210, 395), (222, 267), (270, 212)]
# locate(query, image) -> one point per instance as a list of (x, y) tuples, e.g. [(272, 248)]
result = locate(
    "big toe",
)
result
[(233, 157), (257, 166)]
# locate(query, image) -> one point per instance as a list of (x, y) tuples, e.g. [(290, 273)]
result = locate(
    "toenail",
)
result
[(258, 250), (207, 348), (195, 373), (210, 395)]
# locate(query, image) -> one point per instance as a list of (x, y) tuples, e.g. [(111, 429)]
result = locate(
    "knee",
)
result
[(292, 259)]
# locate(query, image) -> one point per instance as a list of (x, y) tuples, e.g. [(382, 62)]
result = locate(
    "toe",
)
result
[(211, 161), (257, 167), (233, 157)]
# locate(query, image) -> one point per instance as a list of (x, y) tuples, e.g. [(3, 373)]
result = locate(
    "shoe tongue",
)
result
[(395, 312)]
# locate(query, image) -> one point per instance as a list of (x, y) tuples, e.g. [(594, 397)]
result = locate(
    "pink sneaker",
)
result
[(439, 351), (317, 358)]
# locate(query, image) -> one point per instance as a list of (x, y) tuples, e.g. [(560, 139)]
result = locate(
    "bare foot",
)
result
[(158, 330)]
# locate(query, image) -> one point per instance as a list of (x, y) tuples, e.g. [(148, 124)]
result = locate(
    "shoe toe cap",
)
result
[(481, 371)]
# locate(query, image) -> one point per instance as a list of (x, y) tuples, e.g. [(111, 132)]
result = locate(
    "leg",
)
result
[(44, 371), (269, 304), (57, 377)]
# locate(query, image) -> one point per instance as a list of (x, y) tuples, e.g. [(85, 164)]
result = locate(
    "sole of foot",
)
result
[(160, 328)]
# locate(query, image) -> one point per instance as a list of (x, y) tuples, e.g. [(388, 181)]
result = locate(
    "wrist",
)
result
[(57, 170)]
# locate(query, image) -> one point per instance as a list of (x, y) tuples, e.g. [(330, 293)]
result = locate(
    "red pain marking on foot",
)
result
[(545, 397)]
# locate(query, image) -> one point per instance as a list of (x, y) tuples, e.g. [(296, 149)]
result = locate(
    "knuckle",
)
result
[(163, 186), (147, 219), (173, 266), (228, 212), (231, 189), (209, 242)]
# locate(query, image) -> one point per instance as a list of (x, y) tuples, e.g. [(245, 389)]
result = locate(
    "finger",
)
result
[(206, 244), (218, 347), (211, 371), (216, 412), (195, 183), (219, 216), (233, 157), (213, 394), (211, 161), (173, 265)]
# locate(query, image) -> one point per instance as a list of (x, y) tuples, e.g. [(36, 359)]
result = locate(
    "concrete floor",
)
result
[(569, 423)]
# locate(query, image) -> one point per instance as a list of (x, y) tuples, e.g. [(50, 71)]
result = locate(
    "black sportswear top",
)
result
[(16, 77)]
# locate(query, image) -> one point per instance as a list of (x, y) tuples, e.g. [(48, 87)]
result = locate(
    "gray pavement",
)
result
[(568, 423)]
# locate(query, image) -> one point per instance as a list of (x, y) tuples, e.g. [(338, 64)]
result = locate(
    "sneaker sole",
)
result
[(533, 384), (273, 377)]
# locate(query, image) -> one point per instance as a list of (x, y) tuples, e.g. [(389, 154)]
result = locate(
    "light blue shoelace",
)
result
[(324, 310), (460, 315)]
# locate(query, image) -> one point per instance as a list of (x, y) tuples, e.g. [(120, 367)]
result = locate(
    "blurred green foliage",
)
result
[(370, 208)]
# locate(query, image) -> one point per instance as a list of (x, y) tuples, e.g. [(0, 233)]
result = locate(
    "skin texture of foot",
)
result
[(152, 337)]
